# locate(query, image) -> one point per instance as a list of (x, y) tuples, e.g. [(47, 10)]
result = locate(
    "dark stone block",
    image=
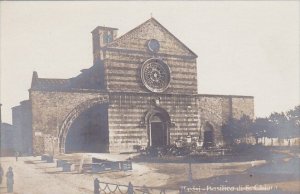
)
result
[(67, 167), (59, 163), (49, 159)]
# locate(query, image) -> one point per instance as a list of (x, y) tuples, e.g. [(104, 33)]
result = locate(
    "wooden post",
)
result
[(190, 172), (80, 170), (96, 186), (130, 188)]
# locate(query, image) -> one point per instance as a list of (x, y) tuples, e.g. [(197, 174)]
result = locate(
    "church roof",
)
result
[(50, 84), (151, 20), (83, 81)]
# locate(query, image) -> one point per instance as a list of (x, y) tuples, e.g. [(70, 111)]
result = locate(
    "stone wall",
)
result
[(127, 125), (242, 106), (123, 57), (218, 109), (17, 123), (7, 140), (49, 110), (123, 73), (137, 38), (21, 120), (126, 116)]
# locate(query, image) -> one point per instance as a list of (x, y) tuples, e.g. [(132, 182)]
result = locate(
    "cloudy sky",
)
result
[(244, 47)]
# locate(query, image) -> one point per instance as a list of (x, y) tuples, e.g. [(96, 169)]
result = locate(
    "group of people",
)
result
[(9, 178)]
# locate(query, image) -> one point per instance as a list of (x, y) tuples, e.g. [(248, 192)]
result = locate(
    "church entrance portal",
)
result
[(89, 132), (158, 131)]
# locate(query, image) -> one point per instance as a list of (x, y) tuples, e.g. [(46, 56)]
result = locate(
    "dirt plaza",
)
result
[(34, 176)]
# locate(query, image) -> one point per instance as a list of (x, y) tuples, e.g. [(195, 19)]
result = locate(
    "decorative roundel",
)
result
[(155, 75), (153, 45)]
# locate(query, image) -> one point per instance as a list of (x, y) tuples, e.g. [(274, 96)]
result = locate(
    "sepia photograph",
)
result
[(150, 97)]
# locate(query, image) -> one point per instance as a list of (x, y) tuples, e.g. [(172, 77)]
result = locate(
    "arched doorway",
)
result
[(158, 131), (158, 127), (89, 132), (208, 135)]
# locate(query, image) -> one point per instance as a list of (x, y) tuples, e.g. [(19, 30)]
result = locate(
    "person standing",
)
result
[(10, 180), (1, 173), (17, 155)]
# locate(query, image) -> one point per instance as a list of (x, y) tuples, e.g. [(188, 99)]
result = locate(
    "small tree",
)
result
[(293, 117), (260, 128), (279, 125), (236, 129)]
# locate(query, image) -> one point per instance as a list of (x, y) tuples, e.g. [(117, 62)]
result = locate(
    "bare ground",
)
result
[(33, 176)]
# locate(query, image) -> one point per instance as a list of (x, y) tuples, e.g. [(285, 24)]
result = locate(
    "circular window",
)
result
[(153, 45), (155, 75)]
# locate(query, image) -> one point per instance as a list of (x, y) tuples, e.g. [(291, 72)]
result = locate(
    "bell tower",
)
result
[(101, 37)]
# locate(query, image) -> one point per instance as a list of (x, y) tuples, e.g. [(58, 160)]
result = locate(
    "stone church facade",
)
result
[(141, 90)]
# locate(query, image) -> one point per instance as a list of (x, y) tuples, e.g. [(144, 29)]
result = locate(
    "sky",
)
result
[(243, 47)]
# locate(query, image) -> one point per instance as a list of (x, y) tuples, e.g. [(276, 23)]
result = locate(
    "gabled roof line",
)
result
[(55, 79), (126, 34), (174, 37), (153, 19)]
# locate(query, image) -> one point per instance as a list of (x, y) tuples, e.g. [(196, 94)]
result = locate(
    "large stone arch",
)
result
[(73, 115)]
